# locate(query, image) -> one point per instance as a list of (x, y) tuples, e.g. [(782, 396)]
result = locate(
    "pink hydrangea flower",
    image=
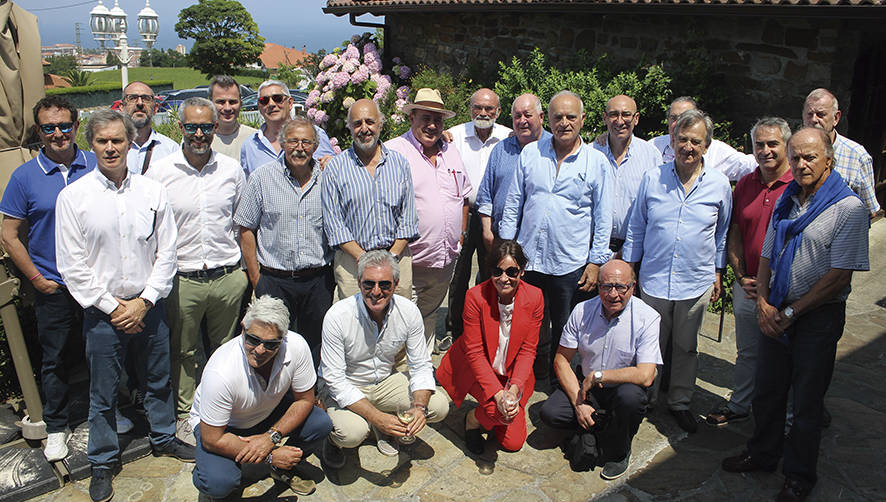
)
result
[(370, 48), (396, 118), (311, 113), (400, 103), (352, 52), (340, 80), (320, 117), (348, 102), (372, 62), (336, 149), (361, 75), (396, 60), (313, 98), (333, 141), (328, 61), (350, 65), (327, 97)]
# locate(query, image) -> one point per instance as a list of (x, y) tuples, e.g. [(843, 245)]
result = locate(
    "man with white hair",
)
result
[(257, 389), (851, 160)]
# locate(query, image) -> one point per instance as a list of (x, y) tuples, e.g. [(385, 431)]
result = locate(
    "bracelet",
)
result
[(38, 274), (423, 408), (270, 459)]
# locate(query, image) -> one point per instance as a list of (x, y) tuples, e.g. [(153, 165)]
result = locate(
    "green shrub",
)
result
[(99, 88)]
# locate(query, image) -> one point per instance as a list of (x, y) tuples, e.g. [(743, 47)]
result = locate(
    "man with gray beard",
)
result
[(140, 105), (356, 181)]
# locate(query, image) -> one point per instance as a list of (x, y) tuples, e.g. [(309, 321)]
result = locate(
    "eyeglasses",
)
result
[(614, 115), (295, 142), (511, 272), (620, 288), (255, 341), (132, 98), (278, 98), (64, 127), (382, 285), (192, 128)]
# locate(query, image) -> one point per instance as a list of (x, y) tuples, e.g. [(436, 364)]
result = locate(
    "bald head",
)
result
[(365, 122), (613, 276), (484, 108), (620, 117)]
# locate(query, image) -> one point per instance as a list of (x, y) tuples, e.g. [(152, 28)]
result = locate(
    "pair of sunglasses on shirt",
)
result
[(255, 341), (64, 127), (278, 98), (192, 128), (511, 272)]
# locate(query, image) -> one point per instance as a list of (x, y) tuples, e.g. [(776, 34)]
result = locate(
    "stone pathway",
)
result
[(667, 464)]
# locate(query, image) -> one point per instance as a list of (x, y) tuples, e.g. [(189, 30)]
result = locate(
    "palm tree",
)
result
[(78, 78)]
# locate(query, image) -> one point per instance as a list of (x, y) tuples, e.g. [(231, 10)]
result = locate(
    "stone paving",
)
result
[(667, 463)]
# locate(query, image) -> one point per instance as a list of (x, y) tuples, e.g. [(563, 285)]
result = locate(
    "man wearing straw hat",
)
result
[(441, 188)]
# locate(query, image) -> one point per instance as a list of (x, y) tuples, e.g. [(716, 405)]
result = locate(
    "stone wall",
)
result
[(766, 65)]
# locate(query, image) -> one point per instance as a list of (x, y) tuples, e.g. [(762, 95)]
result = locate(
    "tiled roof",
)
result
[(274, 54), (383, 6)]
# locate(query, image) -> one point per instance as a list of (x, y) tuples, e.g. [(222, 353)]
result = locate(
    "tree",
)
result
[(225, 36), (163, 59), (59, 65), (78, 78)]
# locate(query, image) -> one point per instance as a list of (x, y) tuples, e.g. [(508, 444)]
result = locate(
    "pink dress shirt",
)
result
[(440, 192)]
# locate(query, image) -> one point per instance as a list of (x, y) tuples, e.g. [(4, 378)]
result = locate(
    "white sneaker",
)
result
[(57, 445), (124, 424), (184, 432)]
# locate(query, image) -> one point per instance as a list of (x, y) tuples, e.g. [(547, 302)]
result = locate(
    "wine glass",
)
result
[(406, 414), (511, 398)]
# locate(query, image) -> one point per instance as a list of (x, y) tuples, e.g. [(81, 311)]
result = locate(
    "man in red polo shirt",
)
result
[(754, 199)]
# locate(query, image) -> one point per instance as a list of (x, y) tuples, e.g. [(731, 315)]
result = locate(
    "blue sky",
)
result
[(292, 23)]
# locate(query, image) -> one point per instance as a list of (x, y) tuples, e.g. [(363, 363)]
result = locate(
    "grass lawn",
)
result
[(184, 78)]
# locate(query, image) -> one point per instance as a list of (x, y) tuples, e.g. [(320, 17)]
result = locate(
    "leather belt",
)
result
[(209, 274), (295, 274)]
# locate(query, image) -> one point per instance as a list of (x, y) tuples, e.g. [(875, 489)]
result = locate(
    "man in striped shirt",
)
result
[(368, 202)]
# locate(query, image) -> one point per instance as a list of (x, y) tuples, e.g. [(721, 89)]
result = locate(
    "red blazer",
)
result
[(470, 358)]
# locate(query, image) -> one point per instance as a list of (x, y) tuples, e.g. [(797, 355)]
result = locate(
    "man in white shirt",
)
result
[(257, 389), (204, 190), (115, 241), (360, 387), (224, 92), (140, 105), (474, 141), (720, 156)]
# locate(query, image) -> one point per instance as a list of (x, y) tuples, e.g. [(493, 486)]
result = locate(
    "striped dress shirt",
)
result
[(856, 166), (375, 210), (288, 220)]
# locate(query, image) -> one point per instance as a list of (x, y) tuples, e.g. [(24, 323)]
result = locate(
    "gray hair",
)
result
[(225, 82), (681, 99), (825, 140), (197, 102), (566, 92), (268, 310), (777, 122), (378, 258), (535, 100), (691, 117), (105, 116), (822, 93), (297, 121), (269, 83)]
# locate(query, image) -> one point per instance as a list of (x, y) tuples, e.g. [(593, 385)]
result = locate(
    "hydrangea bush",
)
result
[(351, 72)]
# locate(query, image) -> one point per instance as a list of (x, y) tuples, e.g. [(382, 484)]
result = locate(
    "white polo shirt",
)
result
[(231, 392)]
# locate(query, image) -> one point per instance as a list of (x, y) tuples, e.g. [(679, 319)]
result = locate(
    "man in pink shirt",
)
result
[(441, 200)]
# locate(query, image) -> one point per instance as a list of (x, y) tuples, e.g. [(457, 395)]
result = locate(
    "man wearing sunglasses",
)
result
[(204, 190), (275, 107), (28, 208), (140, 105), (362, 391), (616, 337), (257, 389)]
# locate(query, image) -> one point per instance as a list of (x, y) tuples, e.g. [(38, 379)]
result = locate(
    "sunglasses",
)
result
[(192, 128), (255, 341), (511, 272), (382, 285), (64, 127), (278, 98), (620, 288)]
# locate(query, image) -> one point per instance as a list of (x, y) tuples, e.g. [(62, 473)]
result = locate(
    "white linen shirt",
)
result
[(203, 203), (231, 393), (475, 153), (135, 157), (355, 353), (628, 339), (114, 242), (722, 157)]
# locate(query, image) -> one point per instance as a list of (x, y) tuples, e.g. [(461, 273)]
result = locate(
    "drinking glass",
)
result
[(406, 414)]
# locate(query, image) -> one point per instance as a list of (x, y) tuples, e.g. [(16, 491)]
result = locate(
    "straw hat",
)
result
[(430, 100)]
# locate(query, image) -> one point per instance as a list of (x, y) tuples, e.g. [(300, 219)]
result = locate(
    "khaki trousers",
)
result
[(430, 286), (345, 270), (350, 429)]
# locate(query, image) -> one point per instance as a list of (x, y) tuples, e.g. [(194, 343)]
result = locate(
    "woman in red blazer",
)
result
[(501, 321)]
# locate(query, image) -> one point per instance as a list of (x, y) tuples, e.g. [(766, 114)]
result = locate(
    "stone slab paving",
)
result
[(667, 463)]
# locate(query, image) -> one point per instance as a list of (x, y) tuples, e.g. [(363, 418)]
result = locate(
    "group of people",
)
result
[(603, 254)]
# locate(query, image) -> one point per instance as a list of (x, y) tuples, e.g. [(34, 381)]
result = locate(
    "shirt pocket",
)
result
[(625, 358)]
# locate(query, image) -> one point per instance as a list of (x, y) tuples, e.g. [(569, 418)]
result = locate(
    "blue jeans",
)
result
[(58, 315), (804, 365), (106, 350), (217, 476)]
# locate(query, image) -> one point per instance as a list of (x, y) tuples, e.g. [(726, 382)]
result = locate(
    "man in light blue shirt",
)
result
[(561, 201), (629, 158), (678, 229)]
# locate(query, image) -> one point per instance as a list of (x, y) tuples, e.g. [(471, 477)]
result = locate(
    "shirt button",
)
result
[(678, 238), (675, 256)]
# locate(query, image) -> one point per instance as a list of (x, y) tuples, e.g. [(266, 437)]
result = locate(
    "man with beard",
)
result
[(851, 160), (474, 141), (281, 232), (224, 92), (629, 158), (204, 190), (115, 248), (356, 181), (140, 106)]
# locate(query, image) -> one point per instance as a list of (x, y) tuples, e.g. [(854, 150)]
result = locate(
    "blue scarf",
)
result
[(789, 233)]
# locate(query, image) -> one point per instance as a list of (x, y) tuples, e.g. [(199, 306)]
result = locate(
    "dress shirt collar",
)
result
[(181, 160), (472, 132), (608, 150), (616, 317), (785, 178), (315, 173), (352, 154), (441, 145), (48, 165), (363, 312), (152, 138), (547, 148), (108, 183)]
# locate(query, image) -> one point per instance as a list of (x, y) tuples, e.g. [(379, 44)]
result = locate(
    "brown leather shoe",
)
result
[(793, 491), (744, 463)]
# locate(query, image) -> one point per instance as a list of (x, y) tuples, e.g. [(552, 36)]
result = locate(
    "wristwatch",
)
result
[(276, 437), (423, 408), (598, 377), (788, 312)]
